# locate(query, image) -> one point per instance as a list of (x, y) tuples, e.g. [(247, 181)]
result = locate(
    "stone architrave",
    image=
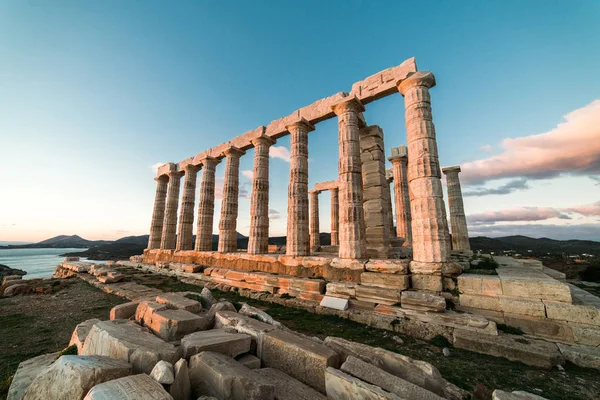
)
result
[(352, 238), (158, 214), (375, 195), (335, 216), (315, 241), (186, 214), (458, 221), (206, 205), (399, 160), (229, 204), (258, 242), (170, 223), (297, 243), (430, 237)]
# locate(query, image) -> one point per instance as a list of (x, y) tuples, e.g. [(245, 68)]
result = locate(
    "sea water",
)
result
[(39, 263)]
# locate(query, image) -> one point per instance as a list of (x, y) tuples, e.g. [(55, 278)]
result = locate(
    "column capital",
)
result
[(208, 161), (190, 168), (175, 174), (314, 192), (300, 122), (420, 78), (263, 140), (233, 151), (162, 178), (451, 170), (350, 103)]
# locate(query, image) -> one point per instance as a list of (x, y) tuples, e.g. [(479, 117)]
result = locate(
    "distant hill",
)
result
[(542, 246), (61, 241)]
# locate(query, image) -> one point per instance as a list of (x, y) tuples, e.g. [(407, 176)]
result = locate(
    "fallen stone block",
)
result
[(207, 298), (288, 388), (249, 361), (80, 333), (537, 353), (71, 377), (377, 295), (217, 375), (581, 355), (334, 302), (418, 372), (181, 388), (260, 314), (166, 323), (422, 301), (111, 277), (216, 340), (132, 387), (391, 383), (301, 358), (341, 386), (517, 395), (163, 373), (26, 372), (124, 311), (386, 281), (243, 324), (125, 340), (174, 300)]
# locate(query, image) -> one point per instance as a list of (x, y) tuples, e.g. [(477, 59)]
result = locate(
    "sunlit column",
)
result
[(458, 221), (170, 221), (186, 214), (399, 161), (229, 204), (158, 214), (206, 205)]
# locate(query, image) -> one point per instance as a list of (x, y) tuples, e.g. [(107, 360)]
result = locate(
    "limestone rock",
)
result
[(26, 372), (163, 373), (134, 387), (388, 266), (582, 355), (288, 388), (517, 395), (418, 372), (168, 324), (243, 324), (249, 361), (124, 311), (216, 340), (341, 386), (181, 388), (71, 377), (301, 358), (260, 314), (386, 281), (207, 298), (80, 333), (179, 302), (217, 375), (422, 301), (377, 294), (124, 340)]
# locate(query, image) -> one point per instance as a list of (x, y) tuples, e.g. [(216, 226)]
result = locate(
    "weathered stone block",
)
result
[(215, 340), (80, 333), (124, 311), (71, 377), (174, 300), (423, 301), (388, 266), (301, 358), (482, 302), (341, 289), (341, 386), (386, 281), (582, 355), (217, 375), (287, 387), (132, 387), (255, 329), (542, 327), (26, 372), (181, 388), (249, 361), (377, 295), (483, 285), (573, 312), (527, 307), (585, 334), (432, 283), (334, 302)]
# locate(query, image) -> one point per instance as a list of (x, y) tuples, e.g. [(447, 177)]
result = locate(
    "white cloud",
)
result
[(155, 167), (486, 148), (279, 152), (248, 174)]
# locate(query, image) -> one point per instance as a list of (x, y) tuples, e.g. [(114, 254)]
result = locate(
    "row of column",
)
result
[(421, 173)]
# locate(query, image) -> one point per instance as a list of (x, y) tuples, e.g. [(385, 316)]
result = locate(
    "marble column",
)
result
[(399, 161), (375, 194), (186, 214), (297, 243), (206, 205), (335, 216), (170, 221), (229, 204), (352, 238), (315, 241), (158, 214), (258, 242), (458, 221), (430, 237), (390, 208)]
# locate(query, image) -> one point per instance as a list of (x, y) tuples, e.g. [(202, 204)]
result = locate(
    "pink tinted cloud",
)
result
[(590, 210), (572, 147), (279, 152), (517, 214)]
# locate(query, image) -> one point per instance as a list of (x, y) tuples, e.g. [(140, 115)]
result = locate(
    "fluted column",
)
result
[(297, 242), (399, 160), (458, 221), (229, 204), (258, 242), (315, 241), (170, 221), (186, 214), (335, 216), (390, 208), (352, 221), (158, 214), (430, 237), (206, 205)]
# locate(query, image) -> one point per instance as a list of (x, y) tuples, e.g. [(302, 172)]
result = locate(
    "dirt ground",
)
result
[(35, 324)]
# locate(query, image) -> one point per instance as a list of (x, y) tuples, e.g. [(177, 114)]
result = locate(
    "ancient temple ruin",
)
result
[(362, 216)]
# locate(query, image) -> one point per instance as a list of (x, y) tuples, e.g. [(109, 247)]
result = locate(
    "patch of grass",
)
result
[(69, 351), (5, 385), (487, 263), (440, 341), (510, 329)]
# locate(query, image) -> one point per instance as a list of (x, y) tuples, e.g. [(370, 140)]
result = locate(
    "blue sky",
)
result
[(93, 94)]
